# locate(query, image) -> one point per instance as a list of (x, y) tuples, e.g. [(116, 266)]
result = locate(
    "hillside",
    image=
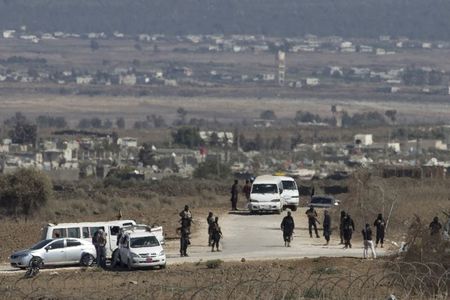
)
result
[(352, 18)]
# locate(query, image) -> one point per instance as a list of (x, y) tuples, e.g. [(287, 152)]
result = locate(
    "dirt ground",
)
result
[(324, 278)]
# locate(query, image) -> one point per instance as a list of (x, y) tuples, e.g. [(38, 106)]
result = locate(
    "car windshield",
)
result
[(145, 241), (264, 189), (289, 185), (40, 245)]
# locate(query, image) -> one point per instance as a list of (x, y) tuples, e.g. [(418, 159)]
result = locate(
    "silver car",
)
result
[(56, 252)]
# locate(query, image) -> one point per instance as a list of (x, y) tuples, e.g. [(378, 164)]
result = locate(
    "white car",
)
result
[(57, 252), (265, 195), (139, 247), (290, 193)]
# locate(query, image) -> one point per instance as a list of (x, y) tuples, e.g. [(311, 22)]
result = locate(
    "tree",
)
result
[(94, 45), (268, 115), (120, 122), (187, 136), (96, 123), (22, 131), (214, 139), (146, 155), (182, 113), (259, 143), (158, 121), (107, 124), (212, 168), (25, 191), (392, 115)]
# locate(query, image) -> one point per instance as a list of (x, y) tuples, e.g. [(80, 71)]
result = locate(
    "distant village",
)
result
[(97, 156), (409, 79)]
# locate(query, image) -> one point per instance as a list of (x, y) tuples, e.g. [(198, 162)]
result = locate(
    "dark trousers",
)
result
[(380, 237), (215, 243), (101, 256), (184, 242), (341, 234), (327, 234), (287, 236), (311, 224), (233, 204), (348, 238)]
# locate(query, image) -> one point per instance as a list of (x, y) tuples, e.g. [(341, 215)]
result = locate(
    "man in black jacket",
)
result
[(312, 220), (287, 225), (326, 227), (348, 228), (380, 224)]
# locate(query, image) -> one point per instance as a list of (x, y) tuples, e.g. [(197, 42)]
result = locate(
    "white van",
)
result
[(139, 247), (86, 230), (266, 194), (290, 193)]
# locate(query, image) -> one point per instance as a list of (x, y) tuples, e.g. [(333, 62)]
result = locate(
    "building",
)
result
[(363, 139), (281, 61)]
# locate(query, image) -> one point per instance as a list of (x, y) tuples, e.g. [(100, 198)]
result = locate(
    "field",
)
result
[(324, 278)]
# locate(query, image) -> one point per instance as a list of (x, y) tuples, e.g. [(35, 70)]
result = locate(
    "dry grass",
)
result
[(308, 278)]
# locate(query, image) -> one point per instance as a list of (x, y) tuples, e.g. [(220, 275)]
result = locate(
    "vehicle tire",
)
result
[(279, 211), (129, 266), (294, 208), (87, 260), (162, 266)]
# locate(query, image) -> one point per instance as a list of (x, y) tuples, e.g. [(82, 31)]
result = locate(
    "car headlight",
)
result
[(161, 253), (134, 255), (275, 200)]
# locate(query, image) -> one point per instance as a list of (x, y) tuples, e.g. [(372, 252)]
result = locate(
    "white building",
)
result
[(363, 139), (128, 142), (312, 81), (8, 34)]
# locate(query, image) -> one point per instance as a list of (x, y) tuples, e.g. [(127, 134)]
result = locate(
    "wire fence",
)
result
[(402, 279)]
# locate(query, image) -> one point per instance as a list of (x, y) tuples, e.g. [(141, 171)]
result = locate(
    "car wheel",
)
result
[(87, 260), (162, 266), (294, 208), (129, 266)]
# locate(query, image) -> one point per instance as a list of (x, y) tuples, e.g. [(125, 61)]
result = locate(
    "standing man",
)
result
[(287, 225), (348, 227), (210, 221), (380, 224), (368, 243), (312, 220), (247, 189), (101, 243), (216, 234), (184, 240), (435, 226), (234, 195), (326, 227), (186, 218), (341, 227)]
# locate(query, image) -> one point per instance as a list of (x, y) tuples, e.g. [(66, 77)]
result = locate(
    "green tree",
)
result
[(146, 155), (25, 191), (94, 45), (187, 136), (212, 168), (120, 122), (268, 115)]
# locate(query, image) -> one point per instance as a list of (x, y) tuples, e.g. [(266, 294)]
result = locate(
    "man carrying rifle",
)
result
[(312, 220)]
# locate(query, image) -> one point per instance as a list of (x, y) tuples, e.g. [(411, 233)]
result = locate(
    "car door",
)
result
[(55, 253), (74, 248)]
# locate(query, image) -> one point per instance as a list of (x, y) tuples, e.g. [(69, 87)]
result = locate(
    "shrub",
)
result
[(214, 263), (24, 191)]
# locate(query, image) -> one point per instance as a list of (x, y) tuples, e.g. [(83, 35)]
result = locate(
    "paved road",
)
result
[(256, 237)]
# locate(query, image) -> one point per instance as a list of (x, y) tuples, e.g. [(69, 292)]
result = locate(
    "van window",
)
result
[(114, 230), (73, 232), (59, 233), (289, 185), (93, 230), (264, 189), (73, 243), (86, 234), (44, 233)]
